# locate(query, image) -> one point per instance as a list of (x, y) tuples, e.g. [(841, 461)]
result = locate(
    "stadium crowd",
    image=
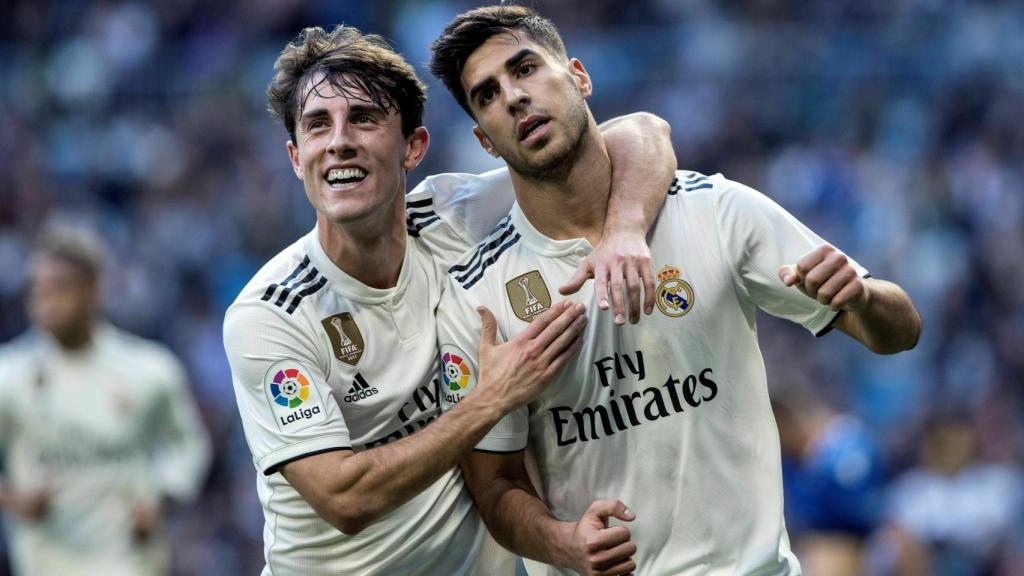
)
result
[(888, 127)]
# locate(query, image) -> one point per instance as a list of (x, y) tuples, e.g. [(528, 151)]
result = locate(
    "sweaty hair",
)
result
[(345, 61), (469, 30), (80, 247)]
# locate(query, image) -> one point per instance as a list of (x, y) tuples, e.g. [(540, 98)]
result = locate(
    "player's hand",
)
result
[(621, 268), (825, 274), (32, 506), (600, 550), (517, 371)]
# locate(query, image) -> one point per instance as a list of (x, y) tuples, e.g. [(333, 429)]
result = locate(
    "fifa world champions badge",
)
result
[(674, 295)]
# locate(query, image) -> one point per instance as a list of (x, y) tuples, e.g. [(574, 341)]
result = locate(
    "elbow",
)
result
[(907, 339), (351, 519)]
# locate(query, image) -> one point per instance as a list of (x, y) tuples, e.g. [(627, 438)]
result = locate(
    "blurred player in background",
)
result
[(332, 344), (99, 430), (670, 416)]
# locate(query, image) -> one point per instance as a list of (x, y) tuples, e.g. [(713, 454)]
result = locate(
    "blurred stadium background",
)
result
[(892, 127)]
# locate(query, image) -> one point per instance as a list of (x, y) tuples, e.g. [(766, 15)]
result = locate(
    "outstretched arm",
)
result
[(643, 167), (351, 490), (521, 522), (877, 313)]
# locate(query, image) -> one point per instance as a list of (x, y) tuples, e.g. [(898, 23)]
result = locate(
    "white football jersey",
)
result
[(102, 430), (670, 415), (322, 362)]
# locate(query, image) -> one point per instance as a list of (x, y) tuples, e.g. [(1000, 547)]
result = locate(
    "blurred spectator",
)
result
[(832, 481), (953, 514), (99, 430)]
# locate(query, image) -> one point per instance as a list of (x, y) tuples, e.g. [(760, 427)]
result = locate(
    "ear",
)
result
[(485, 142), (582, 77), (415, 148), (293, 155)]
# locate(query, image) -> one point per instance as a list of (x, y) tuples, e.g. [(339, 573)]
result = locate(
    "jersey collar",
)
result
[(541, 244), (349, 286)]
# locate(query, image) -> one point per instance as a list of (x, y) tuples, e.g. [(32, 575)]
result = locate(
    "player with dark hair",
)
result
[(670, 416), (332, 344)]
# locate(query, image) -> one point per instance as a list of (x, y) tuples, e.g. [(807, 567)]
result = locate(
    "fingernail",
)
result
[(603, 304), (620, 319), (629, 513)]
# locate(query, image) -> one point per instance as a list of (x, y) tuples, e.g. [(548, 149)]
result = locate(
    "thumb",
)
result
[(604, 509), (488, 328), (788, 275), (582, 274)]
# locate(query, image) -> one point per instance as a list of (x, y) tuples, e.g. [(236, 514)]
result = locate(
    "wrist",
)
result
[(562, 546), (489, 410)]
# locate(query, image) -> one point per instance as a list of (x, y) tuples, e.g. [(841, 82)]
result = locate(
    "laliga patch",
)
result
[(294, 400), (457, 375), (528, 295), (346, 339), (674, 295)]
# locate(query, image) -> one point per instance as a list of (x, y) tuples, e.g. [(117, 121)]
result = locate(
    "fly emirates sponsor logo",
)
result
[(675, 395)]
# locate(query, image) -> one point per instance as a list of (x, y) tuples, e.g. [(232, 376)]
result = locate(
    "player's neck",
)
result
[(74, 338), (371, 251), (573, 202)]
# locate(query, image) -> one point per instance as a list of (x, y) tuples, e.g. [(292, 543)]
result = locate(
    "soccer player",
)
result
[(671, 416), (333, 346), (98, 428)]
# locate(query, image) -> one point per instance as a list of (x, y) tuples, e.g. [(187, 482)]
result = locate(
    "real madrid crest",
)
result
[(675, 297), (346, 340), (528, 295)]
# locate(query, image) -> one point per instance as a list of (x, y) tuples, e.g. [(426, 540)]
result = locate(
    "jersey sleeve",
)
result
[(758, 237), (181, 445), (453, 212), (286, 405), (458, 335)]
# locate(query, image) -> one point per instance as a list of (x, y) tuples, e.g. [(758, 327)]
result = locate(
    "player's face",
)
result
[(61, 298), (350, 153), (530, 106)]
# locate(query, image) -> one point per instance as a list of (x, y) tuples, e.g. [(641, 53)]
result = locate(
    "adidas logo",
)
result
[(360, 389)]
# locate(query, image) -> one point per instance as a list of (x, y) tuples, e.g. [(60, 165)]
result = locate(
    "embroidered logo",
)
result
[(528, 295), (346, 339), (674, 295)]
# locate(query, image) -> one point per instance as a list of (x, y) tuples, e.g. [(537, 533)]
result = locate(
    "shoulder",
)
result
[(284, 283), (18, 355), (144, 356), (469, 268), (463, 201)]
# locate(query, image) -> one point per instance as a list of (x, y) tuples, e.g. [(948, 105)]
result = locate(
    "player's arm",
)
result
[(181, 445), (875, 312), (522, 523), (643, 167), (351, 490)]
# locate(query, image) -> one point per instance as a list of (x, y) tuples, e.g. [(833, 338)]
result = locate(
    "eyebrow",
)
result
[(510, 63)]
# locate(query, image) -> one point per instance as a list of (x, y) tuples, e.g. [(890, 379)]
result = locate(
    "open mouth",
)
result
[(344, 177), (530, 126)]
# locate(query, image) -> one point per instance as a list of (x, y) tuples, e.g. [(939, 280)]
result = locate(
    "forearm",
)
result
[(888, 323), (522, 523), (378, 480), (643, 167)]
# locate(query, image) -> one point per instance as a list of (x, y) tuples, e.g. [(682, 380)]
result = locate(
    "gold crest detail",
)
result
[(674, 296), (528, 295), (346, 339)]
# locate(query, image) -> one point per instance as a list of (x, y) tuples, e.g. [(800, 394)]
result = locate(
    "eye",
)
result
[(485, 96), (316, 124), (362, 118), (526, 68)]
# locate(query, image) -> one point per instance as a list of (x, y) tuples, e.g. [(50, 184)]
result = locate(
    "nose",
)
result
[(342, 143), (515, 97)]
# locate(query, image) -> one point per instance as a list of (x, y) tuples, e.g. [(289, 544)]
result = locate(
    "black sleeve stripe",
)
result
[(493, 241), (419, 203), (487, 263), (273, 287), (276, 467), (309, 290), (287, 291)]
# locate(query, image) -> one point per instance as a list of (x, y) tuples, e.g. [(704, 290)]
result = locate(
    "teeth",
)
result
[(337, 174)]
